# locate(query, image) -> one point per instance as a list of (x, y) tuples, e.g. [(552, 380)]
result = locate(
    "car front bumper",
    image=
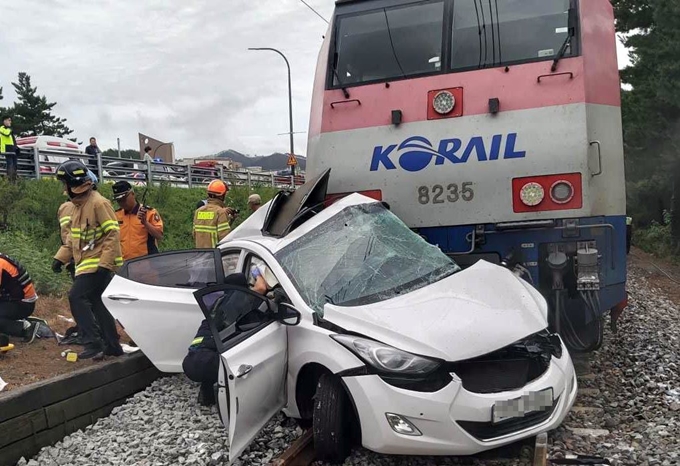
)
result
[(440, 416)]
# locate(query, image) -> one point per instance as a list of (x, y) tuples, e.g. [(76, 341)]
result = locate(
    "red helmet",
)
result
[(218, 188)]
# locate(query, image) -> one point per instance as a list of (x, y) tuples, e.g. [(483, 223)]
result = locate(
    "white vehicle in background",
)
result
[(376, 333), (52, 149)]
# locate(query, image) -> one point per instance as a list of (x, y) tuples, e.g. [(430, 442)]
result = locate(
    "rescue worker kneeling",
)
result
[(202, 362)]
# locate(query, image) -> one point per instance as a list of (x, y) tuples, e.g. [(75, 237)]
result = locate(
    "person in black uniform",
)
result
[(202, 362)]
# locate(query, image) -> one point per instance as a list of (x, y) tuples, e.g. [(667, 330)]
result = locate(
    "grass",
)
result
[(29, 230)]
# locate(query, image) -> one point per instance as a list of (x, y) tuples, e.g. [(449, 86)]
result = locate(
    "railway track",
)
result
[(301, 452)]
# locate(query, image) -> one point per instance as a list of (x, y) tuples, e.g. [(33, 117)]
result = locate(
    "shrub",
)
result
[(656, 238)]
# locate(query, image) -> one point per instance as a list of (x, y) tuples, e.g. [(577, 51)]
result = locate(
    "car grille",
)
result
[(508, 368), (498, 375), (489, 431)]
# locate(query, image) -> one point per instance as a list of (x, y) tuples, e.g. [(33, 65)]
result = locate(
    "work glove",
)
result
[(56, 266), (103, 271)]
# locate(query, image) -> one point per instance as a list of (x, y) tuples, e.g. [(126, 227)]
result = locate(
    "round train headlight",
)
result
[(443, 102), (532, 194), (561, 192)]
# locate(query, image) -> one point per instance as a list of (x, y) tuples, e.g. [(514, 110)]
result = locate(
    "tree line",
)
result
[(32, 114), (650, 29)]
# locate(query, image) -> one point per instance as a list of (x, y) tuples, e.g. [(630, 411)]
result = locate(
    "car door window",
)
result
[(234, 313), (254, 266), (195, 268), (230, 261)]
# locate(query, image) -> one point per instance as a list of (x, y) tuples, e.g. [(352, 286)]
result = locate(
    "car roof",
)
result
[(251, 228)]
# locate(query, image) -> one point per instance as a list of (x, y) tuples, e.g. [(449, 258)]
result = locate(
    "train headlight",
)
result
[(532, 194), (443, 102), (561, 192)]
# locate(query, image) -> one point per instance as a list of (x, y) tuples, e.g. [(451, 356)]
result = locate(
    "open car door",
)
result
[(152, 297), (252, 340)]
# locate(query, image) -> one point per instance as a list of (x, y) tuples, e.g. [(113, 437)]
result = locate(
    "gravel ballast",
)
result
[(635, 413), (163, 425)]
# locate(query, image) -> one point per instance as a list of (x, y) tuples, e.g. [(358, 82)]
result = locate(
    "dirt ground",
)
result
[(40, 360)]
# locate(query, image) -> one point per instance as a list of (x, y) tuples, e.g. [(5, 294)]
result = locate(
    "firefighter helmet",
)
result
[(218, 188), (73, 173)]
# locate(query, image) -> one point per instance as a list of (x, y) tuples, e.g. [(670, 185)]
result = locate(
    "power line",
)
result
[(316, 12)]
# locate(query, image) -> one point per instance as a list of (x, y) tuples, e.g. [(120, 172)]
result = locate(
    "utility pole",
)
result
[(118, 139), (290, 101)]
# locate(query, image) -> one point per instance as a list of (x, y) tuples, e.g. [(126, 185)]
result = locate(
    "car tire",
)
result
[(331, 420)]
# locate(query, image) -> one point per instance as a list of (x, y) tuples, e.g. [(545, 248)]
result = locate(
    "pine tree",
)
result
[(32, 113), (651, 107)]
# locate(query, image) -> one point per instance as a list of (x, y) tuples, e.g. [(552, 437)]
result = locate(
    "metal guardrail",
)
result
[(37, 164)]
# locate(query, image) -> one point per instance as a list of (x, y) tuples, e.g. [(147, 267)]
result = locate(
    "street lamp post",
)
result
[(290, 101)]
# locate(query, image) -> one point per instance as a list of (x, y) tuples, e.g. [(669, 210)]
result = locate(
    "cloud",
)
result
[(178, 71), (175, 70)]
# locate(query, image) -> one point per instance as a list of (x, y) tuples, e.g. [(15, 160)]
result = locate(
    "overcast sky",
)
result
[(175, 70)]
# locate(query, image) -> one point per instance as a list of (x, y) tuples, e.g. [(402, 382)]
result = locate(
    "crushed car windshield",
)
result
[(362, 255)]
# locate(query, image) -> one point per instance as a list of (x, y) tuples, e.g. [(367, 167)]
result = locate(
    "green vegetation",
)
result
[(29, 229), (651, 119), (32, 113), (656, 238)]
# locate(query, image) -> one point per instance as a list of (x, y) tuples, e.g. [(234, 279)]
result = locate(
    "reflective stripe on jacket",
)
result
[(6, 138), (15, 282), (211, 224), (64, 216), (94, 236)]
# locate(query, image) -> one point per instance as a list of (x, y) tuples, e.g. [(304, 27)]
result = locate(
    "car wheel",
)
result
[(331, 420)]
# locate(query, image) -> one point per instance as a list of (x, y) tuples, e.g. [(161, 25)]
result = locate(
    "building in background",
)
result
[(159, 149)]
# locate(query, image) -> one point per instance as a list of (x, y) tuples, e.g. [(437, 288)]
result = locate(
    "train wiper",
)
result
[(560, 54), (571, 32)]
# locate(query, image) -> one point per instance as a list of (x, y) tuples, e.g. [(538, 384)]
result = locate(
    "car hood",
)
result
[(471, 313)]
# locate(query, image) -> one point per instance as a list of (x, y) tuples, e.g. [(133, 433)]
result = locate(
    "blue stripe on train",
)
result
[(611, 245)]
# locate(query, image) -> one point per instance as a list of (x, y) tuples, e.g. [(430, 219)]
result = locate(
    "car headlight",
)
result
[(386, 358)]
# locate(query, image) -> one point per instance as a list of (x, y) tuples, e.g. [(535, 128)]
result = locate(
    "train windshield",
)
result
[(374, 42)]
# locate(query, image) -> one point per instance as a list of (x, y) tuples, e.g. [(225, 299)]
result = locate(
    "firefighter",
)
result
[(17, 300), (64, 216), (212, 221), (94, 245), (141, 227)]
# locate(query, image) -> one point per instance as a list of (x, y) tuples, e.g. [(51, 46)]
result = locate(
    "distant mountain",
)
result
[(275, 161)]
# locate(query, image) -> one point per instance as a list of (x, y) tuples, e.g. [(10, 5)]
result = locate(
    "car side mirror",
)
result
[(288, 315)]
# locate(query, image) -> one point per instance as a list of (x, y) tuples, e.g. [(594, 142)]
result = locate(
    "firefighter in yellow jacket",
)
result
[(212, 221), (94, 245)]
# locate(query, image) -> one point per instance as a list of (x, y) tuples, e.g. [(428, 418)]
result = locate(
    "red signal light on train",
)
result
[(547, 192)]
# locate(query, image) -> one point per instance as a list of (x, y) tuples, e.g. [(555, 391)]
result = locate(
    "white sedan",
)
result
[(381, 338)]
